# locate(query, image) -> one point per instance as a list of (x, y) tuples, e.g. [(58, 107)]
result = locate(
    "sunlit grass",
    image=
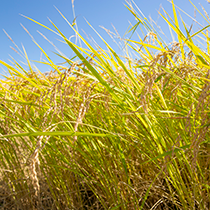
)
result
[(110, 131)]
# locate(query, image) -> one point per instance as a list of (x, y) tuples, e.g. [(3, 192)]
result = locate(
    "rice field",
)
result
[(108, 131)]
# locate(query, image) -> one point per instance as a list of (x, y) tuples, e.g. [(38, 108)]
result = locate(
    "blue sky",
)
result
[(97, 12)]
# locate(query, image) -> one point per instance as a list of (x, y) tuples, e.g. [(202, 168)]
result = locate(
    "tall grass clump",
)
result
[(110, 131)]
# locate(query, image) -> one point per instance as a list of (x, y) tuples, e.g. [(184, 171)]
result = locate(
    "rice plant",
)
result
[(110, 131)]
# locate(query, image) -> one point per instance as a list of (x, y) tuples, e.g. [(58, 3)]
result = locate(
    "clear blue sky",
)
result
[(97, 12)]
